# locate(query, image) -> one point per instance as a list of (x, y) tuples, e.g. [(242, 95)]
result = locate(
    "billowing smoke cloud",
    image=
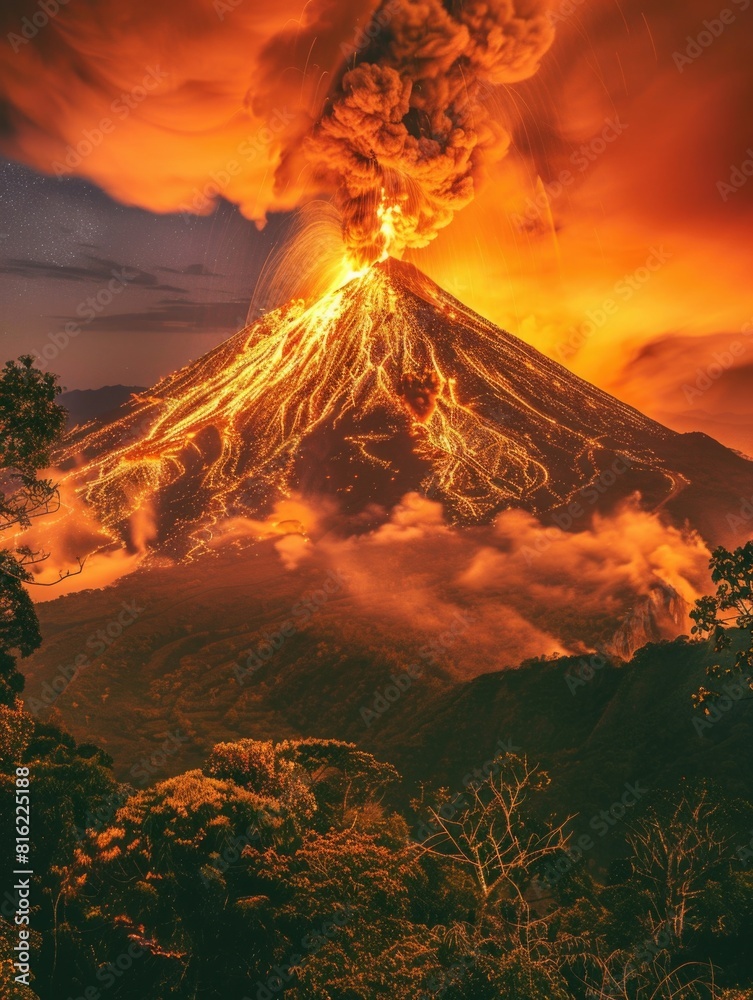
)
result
[(517, 588), (81, 554), (407, 131), (504, 592), (181, 103)]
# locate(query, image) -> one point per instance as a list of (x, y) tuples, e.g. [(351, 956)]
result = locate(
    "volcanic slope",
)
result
[(385, 386)]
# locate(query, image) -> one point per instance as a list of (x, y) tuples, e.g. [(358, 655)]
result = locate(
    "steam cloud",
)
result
[(525, 589), (529, 590)]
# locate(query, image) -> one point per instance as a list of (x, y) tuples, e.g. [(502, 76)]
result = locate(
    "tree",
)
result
[(502, 847), (30, 424), (239, 867), (717, 615), (683, 905), (679, 852), (68, 779), (71, 783), (339, 780), (166, 882)]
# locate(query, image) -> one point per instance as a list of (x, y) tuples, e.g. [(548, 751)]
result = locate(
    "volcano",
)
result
[(386, 386)]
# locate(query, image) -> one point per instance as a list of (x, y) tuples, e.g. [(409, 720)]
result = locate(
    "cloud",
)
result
[(193, 270), (234, 85), (175, 315), (696, 383), (506, 591), (526, 590), (654, 184), (98, 270), (73, 534), (196, 270), (269, 104)]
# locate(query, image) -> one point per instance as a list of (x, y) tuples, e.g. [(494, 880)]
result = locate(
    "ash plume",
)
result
[(407, 133), (269, 105)]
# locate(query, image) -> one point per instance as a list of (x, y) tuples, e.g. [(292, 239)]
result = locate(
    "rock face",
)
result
[(661, 614), (385, 386)]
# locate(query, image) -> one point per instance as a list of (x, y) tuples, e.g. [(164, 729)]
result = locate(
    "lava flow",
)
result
[(385, 385)]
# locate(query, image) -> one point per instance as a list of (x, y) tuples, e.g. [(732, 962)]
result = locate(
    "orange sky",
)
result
[(541, 252), (615, 235)]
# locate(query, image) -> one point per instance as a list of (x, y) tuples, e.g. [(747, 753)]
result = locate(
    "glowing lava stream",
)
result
[(292, 371), (386, 358)]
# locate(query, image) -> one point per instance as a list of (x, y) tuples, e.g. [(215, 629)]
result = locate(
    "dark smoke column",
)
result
[(406, 132)]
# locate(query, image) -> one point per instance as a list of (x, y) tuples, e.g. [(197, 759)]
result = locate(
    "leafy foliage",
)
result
[(30, 423), (717, 615), (279, 867)]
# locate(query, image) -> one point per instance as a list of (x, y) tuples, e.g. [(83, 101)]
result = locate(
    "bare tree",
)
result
[(677, 849), (675, 856), (500, 844)]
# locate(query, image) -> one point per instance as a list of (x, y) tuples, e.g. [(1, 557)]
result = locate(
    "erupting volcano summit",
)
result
[(384, 386)]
